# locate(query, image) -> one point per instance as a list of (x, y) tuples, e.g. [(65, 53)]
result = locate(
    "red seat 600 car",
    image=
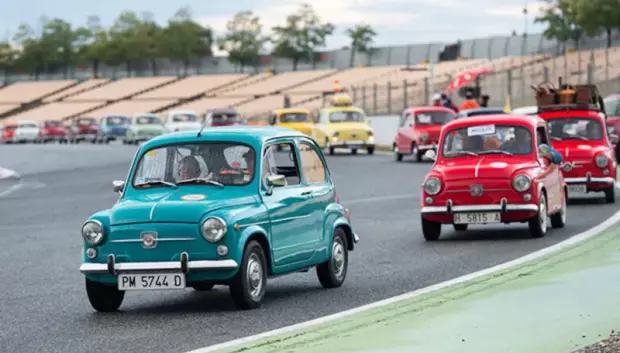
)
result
[(579, 134), (494, 169), (419, 130)]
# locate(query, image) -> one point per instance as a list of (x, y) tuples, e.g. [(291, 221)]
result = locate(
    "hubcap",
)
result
[(543, 215), (414, 150), (395, 149), (254, 276), (338, 258), (564, 209)]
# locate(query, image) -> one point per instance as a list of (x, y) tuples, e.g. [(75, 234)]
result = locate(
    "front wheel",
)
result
[(610, 194), (397, 155), (354, 151), (104, 297), (371, 150), (333, 272), (249, 285), (431, 230), (538, 223)]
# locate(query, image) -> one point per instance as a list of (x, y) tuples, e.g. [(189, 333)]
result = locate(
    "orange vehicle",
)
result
[(8, 133)]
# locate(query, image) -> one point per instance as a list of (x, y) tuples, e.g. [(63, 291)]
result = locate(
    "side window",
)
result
[(323, 117), (406, 120), (280, 159), (311, 163), (541, 136)]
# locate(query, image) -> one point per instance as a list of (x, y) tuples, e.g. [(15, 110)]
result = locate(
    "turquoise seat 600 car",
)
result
[(200, 209)]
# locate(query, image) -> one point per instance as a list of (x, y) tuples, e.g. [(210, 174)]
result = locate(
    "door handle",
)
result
[(307, 192)]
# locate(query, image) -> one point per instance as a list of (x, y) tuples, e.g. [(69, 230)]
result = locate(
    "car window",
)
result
[(407, 120), (52, 124), (280, 159), (485, 112), (341, 116), (228, 163), (575, 129), (489, 138), (295, 117), (146, 120), (433, 118), (612, 106), (220, 118), (311, 164), (85, 121), (28, 125), (185, 117)]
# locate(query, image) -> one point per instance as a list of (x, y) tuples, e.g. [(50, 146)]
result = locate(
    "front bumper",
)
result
[(427, 147), (356, 238), (352, 144), (184, 265), (86, 136), (590, 180), (502, 207)]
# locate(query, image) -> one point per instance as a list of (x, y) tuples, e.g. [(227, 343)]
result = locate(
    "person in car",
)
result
[(473, 144), (593, 131), (189, 168), (522, 143)]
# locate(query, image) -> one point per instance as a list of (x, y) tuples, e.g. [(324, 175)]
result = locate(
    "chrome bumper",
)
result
[(427, 147), (356, 238), (184, 265), (351, 143), (502, 207), (588, 180)]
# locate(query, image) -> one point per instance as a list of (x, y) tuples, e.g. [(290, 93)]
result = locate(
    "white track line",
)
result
[(576, 239)]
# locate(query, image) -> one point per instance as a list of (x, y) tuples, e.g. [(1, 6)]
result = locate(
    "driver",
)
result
[(189, 168), (473, 143), (522, 142), (593, 131)]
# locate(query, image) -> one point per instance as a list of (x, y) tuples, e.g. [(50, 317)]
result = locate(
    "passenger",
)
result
[(522, 143), (593, 131), (473, 144), (491, 144), (447, 102), (484, 101), (189, 168), (470, 102), (557, 130), (249, 162)]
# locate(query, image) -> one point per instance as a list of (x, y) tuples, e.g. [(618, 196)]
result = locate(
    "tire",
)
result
[(354, 151), (460, 227), (370, 150), (333, 272), (610, 194), (397, 155), (254, 264), (431, 230), (104, 297), (538, 224), (332, 151), (558, 220), (203, 286), (416, 153)]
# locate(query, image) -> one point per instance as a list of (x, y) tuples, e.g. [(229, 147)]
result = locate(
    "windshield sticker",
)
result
[(193, 197), (499, 165), (424, 118), (480, 130), (247, 177)]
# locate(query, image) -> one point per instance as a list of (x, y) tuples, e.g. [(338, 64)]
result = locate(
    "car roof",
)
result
[(243, 134), (483, 109), (291, 110), (181, 112), (431, 108), (223, 111), (527, 120)]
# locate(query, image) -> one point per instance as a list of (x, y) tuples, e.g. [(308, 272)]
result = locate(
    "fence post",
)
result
[(426, 102), (589, 73), (374, 98), (364, 97), (389, 97), (509, 85), (405, 94), (545, 74)]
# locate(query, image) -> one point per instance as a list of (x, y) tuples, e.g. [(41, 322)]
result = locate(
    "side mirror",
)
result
[(430, 154), (550, 154), (274, 181), (118, 186), (614, 138)]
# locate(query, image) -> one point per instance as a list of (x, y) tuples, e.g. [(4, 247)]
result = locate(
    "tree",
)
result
[(362, 37), (32, 55), (562, 21), (302, 35), (244, 39), (7, 57), (184, 39), (596, 16), (138, 39)]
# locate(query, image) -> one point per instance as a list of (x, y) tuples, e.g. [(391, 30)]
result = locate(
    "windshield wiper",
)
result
[(496, 151), (576, 138), (555, 138), (460, 153), (200, 180), (156, 182)]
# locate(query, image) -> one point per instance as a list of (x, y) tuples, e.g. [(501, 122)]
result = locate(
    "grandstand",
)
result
[(379, 89)]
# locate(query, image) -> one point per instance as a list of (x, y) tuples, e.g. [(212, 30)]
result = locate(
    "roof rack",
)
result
[(567, 96)]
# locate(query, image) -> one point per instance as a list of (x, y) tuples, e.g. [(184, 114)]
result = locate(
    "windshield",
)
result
[(433, 118), (612, 106), (182, 118), (146, 120), (221, 163), (295, 117), (28, 125), (221, 118), (53, 124), (117, 120), (346, 116), (10, 128), (575, 129), (487, 139), (86, 121)]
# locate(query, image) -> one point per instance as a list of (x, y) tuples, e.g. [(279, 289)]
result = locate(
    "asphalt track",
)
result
[(43, 304)]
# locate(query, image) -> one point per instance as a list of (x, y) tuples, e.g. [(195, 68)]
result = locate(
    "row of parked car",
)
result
[(128, 129)]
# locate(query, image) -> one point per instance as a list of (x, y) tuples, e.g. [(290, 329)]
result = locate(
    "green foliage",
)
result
[(596, 16), (244, 39), (362, 37), (301, 36)]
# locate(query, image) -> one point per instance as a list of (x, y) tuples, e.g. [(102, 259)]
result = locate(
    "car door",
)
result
[(404, 138), (551, 172), (291, 226), (316, 179)]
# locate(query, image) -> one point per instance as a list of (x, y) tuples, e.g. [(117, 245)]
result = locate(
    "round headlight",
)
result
[(601, 161), (92, 232), (432, 186), (213, 229), (521, 182)]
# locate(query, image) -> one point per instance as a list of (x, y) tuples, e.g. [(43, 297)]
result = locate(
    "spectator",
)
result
[(470, 102), (437, 100), (484, 101), (287, 101), (447, 102)]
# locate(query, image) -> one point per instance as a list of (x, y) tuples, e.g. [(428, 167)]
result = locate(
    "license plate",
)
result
[(151, 281), (576, 188), (477, 218), (355, 146)]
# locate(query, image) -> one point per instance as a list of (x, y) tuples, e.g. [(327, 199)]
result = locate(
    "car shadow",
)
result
[(587, 200), (520, 233)]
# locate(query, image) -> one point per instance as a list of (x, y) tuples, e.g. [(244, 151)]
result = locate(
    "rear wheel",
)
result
[(371, 150), (431, 230), (332, 151), (353, 150), (397, 155), (104, 297)]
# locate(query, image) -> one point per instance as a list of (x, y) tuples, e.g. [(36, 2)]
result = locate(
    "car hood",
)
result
[(485, 167), (578, 149), (174, 205)]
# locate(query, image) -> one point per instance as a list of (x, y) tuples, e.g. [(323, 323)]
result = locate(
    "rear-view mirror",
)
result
[(430, 154), (118, 186)]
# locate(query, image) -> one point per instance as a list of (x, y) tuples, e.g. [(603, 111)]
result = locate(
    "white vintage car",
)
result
[(27, 131), (182, 120)]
